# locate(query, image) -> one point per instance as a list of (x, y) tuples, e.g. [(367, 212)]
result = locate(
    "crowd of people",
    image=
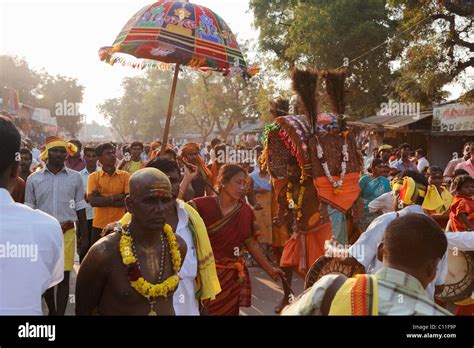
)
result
[(172, 230)]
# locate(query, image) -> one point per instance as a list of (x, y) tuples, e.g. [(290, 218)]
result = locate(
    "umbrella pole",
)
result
[(170, 110)]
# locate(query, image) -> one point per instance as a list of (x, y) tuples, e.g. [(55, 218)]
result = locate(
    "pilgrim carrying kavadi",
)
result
[(322, 145)]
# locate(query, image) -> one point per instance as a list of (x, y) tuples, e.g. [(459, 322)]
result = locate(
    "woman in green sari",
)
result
[(372, 186)]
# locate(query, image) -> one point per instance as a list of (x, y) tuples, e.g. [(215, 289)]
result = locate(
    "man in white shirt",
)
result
[(34, 236), (35, 153), (382, 204), (422, 161), (212, 152), (411, 250), (364, 251), (59, 191)]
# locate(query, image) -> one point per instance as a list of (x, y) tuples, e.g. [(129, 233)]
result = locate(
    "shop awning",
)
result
[(252, 128), (394, 122), (44, 116)]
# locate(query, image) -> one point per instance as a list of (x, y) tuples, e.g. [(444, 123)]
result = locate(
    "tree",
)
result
[(110, 109), (141, 110), (326, 34), (62, 96), (156, 100), (438, 51), (16, 74), (202, 109)]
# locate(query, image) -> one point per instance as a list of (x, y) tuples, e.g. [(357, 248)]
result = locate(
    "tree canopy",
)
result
[(42, 90), (408, 50), (328, 34)]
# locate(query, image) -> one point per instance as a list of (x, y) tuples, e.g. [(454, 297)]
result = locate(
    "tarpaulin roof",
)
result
[(393, 122)]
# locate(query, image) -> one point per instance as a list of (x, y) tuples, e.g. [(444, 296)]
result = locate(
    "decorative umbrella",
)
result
[(181, 33)]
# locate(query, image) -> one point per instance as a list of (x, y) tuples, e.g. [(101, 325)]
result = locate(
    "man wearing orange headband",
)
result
[(59, 192), (202, 183)]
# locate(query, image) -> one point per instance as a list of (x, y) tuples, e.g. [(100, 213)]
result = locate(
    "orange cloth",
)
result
[(314, 247), (214, 173), (461, 204), (153, 154), (190, 148), (108, 186), (344, 200)]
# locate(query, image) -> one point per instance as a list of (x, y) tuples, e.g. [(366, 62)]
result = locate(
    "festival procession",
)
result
[(288, 158)]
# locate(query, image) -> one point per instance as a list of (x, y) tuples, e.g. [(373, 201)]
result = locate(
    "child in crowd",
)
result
[(462, 208), (438, 198)]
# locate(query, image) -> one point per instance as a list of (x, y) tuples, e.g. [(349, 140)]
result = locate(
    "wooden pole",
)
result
[(170, 110)]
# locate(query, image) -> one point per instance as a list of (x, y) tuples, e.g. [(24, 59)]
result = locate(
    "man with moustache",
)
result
[(106, 190), (198, 275), (59, 191), (105, 283)]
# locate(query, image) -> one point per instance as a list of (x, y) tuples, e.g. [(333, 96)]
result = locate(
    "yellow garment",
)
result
[(69, 249), (440, 204), (125, 220), (208, 285), (132, 166), (355, 295), (466, 302), (57, 142), (409, 190)]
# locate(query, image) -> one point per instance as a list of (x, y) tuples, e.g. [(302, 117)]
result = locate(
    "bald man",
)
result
[(102, 285)]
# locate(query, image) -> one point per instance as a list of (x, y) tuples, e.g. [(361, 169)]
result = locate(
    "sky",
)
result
[(64, 37)]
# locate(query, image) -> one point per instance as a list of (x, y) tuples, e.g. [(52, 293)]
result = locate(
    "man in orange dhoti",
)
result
[(299, 209)]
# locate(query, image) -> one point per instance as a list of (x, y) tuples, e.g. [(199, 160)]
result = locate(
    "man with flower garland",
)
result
[(134, 271), (300, 209), (198, 275)]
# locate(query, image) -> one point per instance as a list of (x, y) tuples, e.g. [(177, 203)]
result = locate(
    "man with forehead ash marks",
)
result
[(134, 271), (198, 275)]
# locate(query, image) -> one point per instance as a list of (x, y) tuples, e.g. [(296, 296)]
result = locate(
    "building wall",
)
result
[(443, 147), (417, 140)]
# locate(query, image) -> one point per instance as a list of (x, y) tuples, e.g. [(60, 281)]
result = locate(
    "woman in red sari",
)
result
[(230, 225)]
